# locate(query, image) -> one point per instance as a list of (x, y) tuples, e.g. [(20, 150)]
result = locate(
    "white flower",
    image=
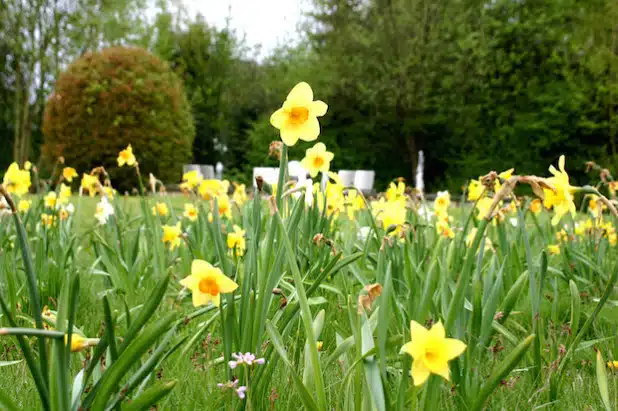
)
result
[(425, 212), (70, 208), (513, 221), (104, 210), (363, 233)]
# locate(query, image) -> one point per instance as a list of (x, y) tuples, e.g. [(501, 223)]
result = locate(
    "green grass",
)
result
[(197, 372)]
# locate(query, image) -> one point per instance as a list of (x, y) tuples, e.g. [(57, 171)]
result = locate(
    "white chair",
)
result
[(363, 180), (347, 177), (208, 172)]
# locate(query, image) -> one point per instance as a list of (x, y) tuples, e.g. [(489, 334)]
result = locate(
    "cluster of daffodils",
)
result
[(441, 205), (391, 210), (482, 191)]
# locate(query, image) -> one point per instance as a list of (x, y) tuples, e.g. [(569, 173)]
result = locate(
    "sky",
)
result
[(265, 22)]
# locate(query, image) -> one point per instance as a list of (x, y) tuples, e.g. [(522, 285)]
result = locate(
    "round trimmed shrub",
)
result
[(121, 95)]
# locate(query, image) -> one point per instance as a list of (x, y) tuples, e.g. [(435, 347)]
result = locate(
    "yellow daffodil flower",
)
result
[(191, 212), (192, 179), (475, 190), (224, 206), (65, 194), (24, 206), (236, 241), (160, 209), (553, 249), (90, 183), (172, 235), (240, 194), (298, 117), (50, 200), (431, 351), (317, 159), (69, 173), (396, 191), (17, 181), (48, 220), (126, 157), (562, 199), (210, 189), (80, 343), (536, 206), (207, 283)]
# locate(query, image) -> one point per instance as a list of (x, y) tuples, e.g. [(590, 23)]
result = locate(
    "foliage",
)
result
[(106, 100)]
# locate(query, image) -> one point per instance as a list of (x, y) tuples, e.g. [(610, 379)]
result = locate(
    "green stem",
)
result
[(31, 332), (283, 163)]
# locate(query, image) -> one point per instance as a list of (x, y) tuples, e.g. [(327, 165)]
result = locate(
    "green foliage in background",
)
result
[(120, 96)]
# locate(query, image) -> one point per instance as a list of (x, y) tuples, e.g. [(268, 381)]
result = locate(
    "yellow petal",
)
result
[(318, 108), (310, 130), (420, 373), (200, 298), (289, 136), (301, 94), (199, 268), (417, 331), (561, 162), (190, 282), (319, 148), (437, 330), (278, 118), (328, 156), (216, 299), (443, 371), (454, 348), (226, 284)]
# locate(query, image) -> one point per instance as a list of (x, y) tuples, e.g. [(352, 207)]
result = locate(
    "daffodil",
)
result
[(536, 206), (192, 179), (103, 211), (63, 214), (172, 235), (224, 206), (207, 283), (80, 343), (240, 194), (48, 220), (317, 159), (298, 117), (553, 249), (236, 241), (69, 173), (50, 200), (595, 207), (475, 190), (126, 157), (561, 198), (612, 365), (442, 202), (396, 191), (160, 209), (90, 183), (191, 212), (17, 181), (444, 229), (65, 194), (209, 189), (431, 351), (24, 206)]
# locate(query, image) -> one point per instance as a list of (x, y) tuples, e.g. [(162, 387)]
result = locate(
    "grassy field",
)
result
[(492, 288)]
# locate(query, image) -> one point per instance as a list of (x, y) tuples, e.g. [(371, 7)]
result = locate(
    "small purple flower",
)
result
[(246, 358), (240, 391)]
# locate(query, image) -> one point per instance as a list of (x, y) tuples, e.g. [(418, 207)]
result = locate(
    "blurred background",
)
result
[(476, 85)]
